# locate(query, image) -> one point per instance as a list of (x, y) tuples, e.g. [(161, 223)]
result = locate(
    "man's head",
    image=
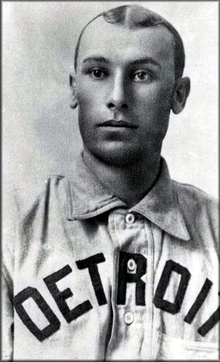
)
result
[(129, 64)]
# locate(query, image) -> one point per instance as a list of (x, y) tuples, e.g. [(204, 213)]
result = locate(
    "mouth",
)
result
[(117, 124)]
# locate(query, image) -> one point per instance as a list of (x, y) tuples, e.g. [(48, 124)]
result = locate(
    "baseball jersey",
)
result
[(85, 277)]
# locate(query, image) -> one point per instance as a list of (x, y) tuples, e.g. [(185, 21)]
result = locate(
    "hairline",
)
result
[(163, 22)]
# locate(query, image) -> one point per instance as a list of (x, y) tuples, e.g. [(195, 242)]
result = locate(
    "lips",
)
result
[(113, 123)]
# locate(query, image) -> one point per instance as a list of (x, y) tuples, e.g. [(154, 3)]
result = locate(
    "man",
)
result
[(119, 262)]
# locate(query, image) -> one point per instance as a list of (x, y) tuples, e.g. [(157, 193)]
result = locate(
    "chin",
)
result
[(117, 156)]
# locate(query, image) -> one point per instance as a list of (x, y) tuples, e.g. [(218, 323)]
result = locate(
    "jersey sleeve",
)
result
[(8, 240)]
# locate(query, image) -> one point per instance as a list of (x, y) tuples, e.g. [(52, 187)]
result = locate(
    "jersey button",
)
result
[(130, 218), (131, 265), (129, 317)]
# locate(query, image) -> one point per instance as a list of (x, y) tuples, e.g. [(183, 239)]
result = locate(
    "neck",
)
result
[(129, 183)]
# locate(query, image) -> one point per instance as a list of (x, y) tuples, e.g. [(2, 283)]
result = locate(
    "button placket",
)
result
[(129, 232)]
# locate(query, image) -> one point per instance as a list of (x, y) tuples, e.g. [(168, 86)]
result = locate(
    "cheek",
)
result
[(159, 99), (153, 104), (84, 96), (89, 95)]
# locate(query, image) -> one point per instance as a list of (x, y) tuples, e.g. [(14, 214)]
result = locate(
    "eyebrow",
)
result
[(97, 59), (146, 60), (139, 61)]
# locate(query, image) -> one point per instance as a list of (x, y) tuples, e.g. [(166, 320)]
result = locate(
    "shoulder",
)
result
[(194, 197), (29, 198), (199, 209), (26, 206), (32, 191)]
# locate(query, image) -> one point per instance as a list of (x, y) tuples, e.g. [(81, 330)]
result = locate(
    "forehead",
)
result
[(117, 42)]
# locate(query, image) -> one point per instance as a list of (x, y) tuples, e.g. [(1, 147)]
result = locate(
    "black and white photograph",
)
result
[(110, 238)]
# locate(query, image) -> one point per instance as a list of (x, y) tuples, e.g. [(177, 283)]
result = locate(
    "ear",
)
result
[(74, 101), (180, 94)]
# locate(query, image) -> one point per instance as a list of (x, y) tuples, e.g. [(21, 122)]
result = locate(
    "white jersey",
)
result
[(84, 277)]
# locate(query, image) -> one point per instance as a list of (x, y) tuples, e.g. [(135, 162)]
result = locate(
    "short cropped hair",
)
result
[(136, 17)]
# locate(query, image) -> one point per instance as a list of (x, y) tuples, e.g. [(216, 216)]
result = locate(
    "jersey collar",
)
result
[(88, 198)]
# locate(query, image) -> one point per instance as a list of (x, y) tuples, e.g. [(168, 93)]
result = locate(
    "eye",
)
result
[(142, 75), (97, 73)]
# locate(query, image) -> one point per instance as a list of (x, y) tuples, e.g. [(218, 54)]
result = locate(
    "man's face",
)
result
[(124, 85)]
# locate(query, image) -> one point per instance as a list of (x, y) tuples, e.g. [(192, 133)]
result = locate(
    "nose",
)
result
[(117, 99)]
